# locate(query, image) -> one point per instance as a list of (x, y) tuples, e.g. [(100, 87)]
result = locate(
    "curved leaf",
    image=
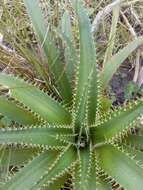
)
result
[(135, 153), (116, 60), (120, 167), (58, 183), (27, 177), (36, 100), (16, 113), (112, 36), (65, 161), (70, 52), (119, 122), (134, 141), (16, 156), (55, 65)]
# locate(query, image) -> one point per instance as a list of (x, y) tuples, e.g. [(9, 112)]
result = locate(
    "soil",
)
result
[(119, 82)]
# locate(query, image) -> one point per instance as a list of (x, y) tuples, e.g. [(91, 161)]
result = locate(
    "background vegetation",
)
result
[(113, 29)]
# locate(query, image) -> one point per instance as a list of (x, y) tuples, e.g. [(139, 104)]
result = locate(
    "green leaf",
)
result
[(36, 15), (70, 53), (94, 99), (103, 185), (36, 100), (66, 26), (133, 152), (106, 104), (16, 156), (44, 136), (33, 59), (59, 182), (120, 167), (27, 177), (51, 51), (116, 60), (119, 122), (134, 141), (16, 113), (65, 161), (112, 37), (86, 72), (22, 38), (85, 172), (5, 122)]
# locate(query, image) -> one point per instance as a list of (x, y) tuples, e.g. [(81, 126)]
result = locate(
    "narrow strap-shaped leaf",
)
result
[(44, 136), (112, 36), (70, 52), (94, 99), (85, 172), (120, 167), (16, 113), (16, 156), (55, 65), (92, 181), (134, 141), (65, 161), (119, 122), (36, 100), (86, 68), (116, 60), (27, 177), (81, 170)]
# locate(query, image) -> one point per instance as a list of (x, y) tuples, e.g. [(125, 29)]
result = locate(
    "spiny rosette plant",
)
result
[(68, 141)]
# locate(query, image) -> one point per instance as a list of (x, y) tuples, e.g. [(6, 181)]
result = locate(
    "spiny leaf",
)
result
[(44, 136), (94, 99), (80, 173), (36, 100), (134, 141), (120, 167), (55, 65), (59, 182), (65, 161), (117, 124), (85, 69), (85, 172), (92, 181), (116, 60), (70, 53), (5, 121), (27, 177), (135, 153), (103, 185), (15, 156), (16, 113)]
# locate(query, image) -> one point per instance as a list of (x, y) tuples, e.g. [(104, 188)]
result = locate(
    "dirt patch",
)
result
[(119, 82)]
